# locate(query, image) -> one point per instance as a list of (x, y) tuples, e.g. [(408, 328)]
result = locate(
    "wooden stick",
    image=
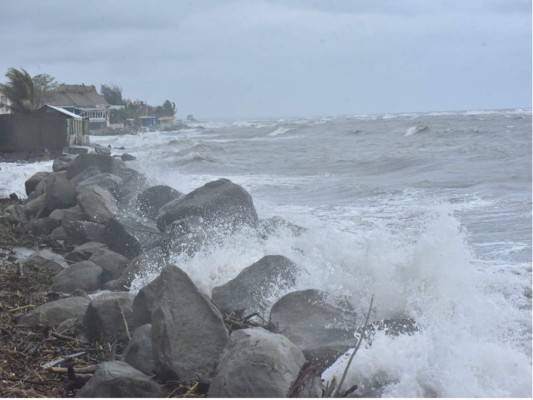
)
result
[(124, 320), (355, 350), (14, 310), (81, 370), (64, 337)]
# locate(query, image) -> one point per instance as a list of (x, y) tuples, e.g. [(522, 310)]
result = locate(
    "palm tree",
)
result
[(20, 90)]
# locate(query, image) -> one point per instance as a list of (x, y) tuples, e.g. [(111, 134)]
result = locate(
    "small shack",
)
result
[(49, 127), (166, 122), (148, 121)]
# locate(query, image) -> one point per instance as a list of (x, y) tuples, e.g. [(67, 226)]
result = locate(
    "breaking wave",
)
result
[(416, 129)]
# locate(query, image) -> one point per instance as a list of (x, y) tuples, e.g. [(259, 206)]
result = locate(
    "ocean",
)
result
[(430, 213)]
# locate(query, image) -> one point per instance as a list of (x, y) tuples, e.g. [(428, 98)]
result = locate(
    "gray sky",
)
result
[(253, 58)]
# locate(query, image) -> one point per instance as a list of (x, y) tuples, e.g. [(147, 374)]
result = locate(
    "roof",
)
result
[(167, 118), (75, 95), (63, 111)]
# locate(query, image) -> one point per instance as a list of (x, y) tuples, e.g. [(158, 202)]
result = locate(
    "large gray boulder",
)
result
[(149, 201), (106, 181), (188, 332), (321, 326), (85, 174), (69, 214), (220, 202), (84, 251), (97, 203), (149, 262), (43, 185), (84, 275), (143, 304), (34, 205), (102, 162), (133, 183), (58, 234), (112, 263), (43, 226), (119, 379), (55, 312), (186, 235), (129, 237), (60, 193), (107, 316), (61, 163), (79, 232), (33, 181), (139, 351), (250, 290), (257, 363), (47, 260)]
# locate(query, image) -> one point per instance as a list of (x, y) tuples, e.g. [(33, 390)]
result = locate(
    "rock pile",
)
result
[(110, 225)]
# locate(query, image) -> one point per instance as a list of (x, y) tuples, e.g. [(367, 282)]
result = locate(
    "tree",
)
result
[(20, 90), (42, 84), (112, 94), (168, 109)]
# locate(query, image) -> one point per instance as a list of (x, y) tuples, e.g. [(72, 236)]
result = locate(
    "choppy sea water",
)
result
[(428, 213)]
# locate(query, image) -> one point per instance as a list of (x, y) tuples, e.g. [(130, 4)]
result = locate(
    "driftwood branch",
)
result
[(17, 309), (124, 320), (81, 370), (361, 338)]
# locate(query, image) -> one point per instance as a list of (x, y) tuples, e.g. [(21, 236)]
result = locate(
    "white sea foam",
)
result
[(470, 342), (400, 234), (463, 348), (13, 176), (279, 131), (415, 129)]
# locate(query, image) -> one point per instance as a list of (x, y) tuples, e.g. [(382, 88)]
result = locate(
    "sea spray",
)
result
[(437, 226), (460, 343)]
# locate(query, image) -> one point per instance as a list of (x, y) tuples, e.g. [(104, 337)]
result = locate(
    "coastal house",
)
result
[(148, 121), (82, 100), (166, 122), (48, 128)]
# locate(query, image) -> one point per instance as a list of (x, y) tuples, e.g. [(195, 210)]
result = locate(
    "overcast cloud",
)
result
[(253, 58)]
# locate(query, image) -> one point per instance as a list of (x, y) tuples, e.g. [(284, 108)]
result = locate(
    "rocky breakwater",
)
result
[(106, 225)]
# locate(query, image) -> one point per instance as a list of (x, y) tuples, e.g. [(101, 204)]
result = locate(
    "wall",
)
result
[(36, 132)]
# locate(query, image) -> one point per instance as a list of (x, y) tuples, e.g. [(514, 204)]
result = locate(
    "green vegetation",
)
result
[(24, 92), (42, 84), (112, 94), (20, 91), (133, 109)]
